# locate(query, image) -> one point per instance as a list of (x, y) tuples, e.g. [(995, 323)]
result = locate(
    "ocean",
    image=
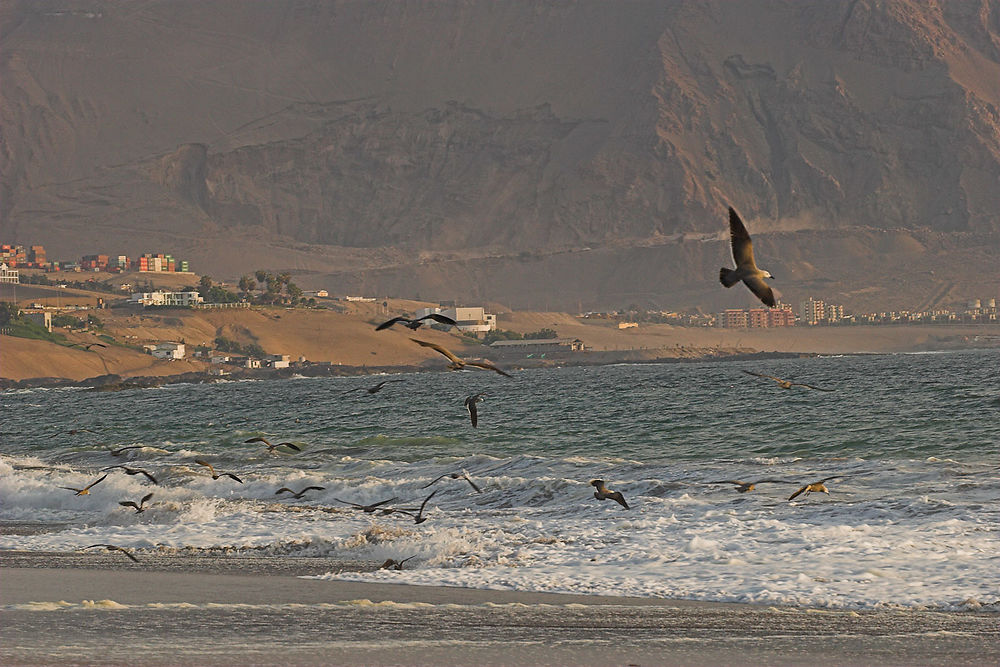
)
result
[(911, 521)]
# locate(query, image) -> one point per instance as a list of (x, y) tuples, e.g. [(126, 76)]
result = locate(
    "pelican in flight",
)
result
[(456, 362), (366, 508), (603, 493), (111, 547), (786, 384), (217, 475), (139, 509), (470, 405), (134, 471), (415, 324), (85, 491), (815, 487), (743, 487), (454, 475), (271, 447), (301, 493), (746, 269), (375, 389)]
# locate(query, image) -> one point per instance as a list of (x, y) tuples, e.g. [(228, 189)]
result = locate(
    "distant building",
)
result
[(8, 275), (320, 293), (539, 345), (168, 351), (735, 318), (811, 311), (468, 320), (628, 325), (42, 318), (165, 299), (276, 361)]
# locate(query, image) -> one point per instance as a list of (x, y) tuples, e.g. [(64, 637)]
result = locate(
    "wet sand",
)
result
[(99, 608)]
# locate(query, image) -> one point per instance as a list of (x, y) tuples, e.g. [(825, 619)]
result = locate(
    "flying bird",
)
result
[(139, 509), (458, 363), (367, 508), (743, 487), (134, 471), (454, 475), (415, 324), (470, 405), (111, 547), (420, 518), (786, 384), (87, 346), (373, 390), (271, 447), (301, 493), (217, 475), (815, 487), (391, 564), (85, 491), (121, 450), (746, 268), (602, 493)]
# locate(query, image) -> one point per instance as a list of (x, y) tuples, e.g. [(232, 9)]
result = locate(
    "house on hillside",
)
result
[(145, 299), (473, 320), (168, 350)]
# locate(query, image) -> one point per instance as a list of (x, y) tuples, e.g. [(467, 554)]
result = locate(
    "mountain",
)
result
[(539, 154)]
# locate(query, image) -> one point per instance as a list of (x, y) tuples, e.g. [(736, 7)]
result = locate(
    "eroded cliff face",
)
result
[(517, 132)]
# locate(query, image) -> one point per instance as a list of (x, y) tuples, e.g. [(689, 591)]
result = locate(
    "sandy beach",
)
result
[(100, 609)]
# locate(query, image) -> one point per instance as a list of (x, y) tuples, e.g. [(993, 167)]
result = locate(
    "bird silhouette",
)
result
[(271, 448), (457, 363), (391, 564), (215, 475), (121, 450), (133, 471), (139, 509), (744, 487), (815, 487), (301, 493), (366, 508), (374, 389), (85, 491), (746, 268), (470, 405), (415, 324), (111, 547), (454, 475), (603, 493)]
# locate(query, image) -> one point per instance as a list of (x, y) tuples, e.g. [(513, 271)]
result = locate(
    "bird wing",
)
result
[(383, 502), (389, 323), (740, 239), (283, 490), (258, 439), (348, 503), (145, 498), (728, 481), (488, 366), (148, 476), (435, 481), (289, 445), (800, 491), (70, 488), (440, 349), (775, 481), (128, 503), (229, 474), (424, 504), (827, 479), (760, 375), (355, 389), (472, 484), (90, 345), (207, 465), (95, 483), (619, 498), (761, 289), (442, 319), (116, 452), (473, 412), (809, 386)]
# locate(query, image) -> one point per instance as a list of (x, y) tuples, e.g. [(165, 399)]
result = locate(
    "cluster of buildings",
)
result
[(34, 257), (735, 318)]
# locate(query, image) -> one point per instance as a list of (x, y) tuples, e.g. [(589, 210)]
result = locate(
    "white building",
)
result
[(8, 275), (165, 298), (168, 351), (276, 361), (472, 320)]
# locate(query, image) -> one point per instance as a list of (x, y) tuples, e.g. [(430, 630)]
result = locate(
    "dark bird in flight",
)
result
[(815, 487), (85, 491), (87, 346), (786, 384), (111, 547), (454, 475), (391, 564), (301, 493), (121, 450), (602, 493), (139, 509), (373, 390), (415, 324), (743, 487), (134, 471), (271, 447), (456, 362), (470, 405), (367, 508), (217, 475), (420, 518), (746, 269)]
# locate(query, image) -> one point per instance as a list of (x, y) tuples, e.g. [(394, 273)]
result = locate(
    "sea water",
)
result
[(912, 521)]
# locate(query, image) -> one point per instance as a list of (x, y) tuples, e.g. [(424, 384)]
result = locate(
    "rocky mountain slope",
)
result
[(537, 154)]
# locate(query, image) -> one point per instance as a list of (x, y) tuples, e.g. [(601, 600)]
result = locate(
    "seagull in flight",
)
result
[(743, 487), (217, 475), (454, 475), (458, 363), (375, 389), (746, 269), (111, 547), (420, 518), (786, 384), (87, 346), (139, 509), (815, 487), (415, 324), (271, 447), (366, 508), (301, 493), (134, 471), (85, 491), (603, 493), (470, 405)]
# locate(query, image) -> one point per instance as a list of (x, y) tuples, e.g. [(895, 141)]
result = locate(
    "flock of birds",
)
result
[(746, 271)]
